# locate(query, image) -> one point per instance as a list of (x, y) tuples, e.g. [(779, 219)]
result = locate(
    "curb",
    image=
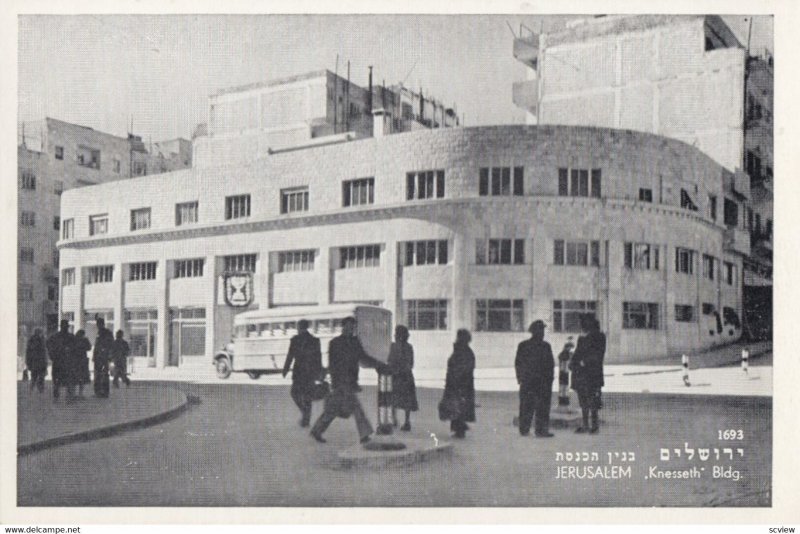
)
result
[(105, 431)]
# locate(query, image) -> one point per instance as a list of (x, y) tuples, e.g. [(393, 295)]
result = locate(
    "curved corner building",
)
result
[(483, 228)]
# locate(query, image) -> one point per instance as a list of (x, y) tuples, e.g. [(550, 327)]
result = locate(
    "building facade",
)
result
[(54, 156), (483, 228), (683, 77)]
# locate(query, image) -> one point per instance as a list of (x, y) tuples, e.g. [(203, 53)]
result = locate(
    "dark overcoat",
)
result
[(458, 402), (36, 354), (305, 354), (404, 389), (82, 346), (587, 361), (345, 353), (60, 347), (535, 365), (103, 349)]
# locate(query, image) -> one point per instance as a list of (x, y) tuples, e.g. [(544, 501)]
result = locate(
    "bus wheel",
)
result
[(223, 366), (255, 375)]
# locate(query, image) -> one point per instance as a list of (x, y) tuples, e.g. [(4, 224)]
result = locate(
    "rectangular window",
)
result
[(140, 219), (425, 252), (189, 268), (186, 213), (27, 218), (55, 258), (88, 157), (28, 180), (117, 165), (25, 292), (52, 293), (499, 315), (58, 187), (142, 271), (645, 194), (59, 152), (240, 263), (567, 314), (296, 260), (237, 206), (424, 185), (730, 213), (295, 199), (360, 256), (576, 253), (684, 261), (100, 274), (641, 256), (712, 207), (709, 266), (730, 273), (684, 313), (640, 315), (580, 182), (68, 277), (358, 192), (26, 255), (500, 251), (98, 224), (687, 202), (68, 229), (496, 181), (426, 314), (57, 223)]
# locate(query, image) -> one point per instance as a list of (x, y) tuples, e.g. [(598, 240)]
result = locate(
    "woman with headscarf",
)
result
[(458, 402), (587, 372), (401, 362)]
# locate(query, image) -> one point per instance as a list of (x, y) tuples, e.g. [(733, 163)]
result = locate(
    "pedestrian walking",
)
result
[(120, 351), (345, 353), (82, 347), (563, 372), (36, 359), (587, 372), (60, 347), (103, 346), (458, 403), (535, 367), (305, 361), (401, 363)]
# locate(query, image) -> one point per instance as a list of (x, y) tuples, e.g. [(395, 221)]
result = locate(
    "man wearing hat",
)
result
[(305, 354), (535, 372), (60, 347)]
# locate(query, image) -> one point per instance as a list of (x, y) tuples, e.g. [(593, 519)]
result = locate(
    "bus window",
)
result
[(290, 328), (322, 326), (265, 329), (337, 326), (241, 331), (252, 330)]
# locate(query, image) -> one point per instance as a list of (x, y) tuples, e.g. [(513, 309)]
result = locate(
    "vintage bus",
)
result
[(261, 337)]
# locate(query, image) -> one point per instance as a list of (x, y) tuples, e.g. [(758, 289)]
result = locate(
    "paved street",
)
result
[(241, 446)]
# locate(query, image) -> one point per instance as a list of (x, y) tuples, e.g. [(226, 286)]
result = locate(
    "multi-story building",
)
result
[(54, 156), (683, 77), (485, 228)]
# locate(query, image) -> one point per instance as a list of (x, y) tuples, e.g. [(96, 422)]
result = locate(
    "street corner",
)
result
[(45, 421)]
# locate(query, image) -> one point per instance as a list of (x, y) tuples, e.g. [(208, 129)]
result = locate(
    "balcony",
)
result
[(525, 95), (737, 240), (526, 49), (740, 183)]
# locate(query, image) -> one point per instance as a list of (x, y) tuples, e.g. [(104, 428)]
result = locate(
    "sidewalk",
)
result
[(43, 422)]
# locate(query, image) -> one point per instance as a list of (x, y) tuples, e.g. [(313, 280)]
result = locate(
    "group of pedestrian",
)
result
[(70, 364), (534, 365)]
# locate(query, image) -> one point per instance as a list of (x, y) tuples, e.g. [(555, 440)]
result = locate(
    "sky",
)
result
[(103, 71)]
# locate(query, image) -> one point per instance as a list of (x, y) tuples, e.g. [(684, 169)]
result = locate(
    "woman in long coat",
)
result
[(82, 346), (587, 372), (401, 362), (458, 402)]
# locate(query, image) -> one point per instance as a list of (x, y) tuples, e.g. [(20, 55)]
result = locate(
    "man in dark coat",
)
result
[(103, 347), (535, 372), (458, 401), (344, 355), (36, 359), (59, 347), (305, 354), (120, 351), (587, 372)]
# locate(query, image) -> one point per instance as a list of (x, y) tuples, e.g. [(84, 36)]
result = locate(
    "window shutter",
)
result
[(563, 182), (596, 185), (439, 184), (558, 252), (483, 186), (519, 183)]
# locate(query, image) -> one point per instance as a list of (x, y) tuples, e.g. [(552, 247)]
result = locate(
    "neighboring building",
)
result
[(686, 77), (318, 107), (54, 156), (485, 228)]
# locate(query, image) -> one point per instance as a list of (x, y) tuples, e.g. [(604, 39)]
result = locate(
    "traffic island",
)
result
[(44, 422), (416, 450)]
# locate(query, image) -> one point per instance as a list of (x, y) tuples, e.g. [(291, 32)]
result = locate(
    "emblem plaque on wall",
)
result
[(238, 288)]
